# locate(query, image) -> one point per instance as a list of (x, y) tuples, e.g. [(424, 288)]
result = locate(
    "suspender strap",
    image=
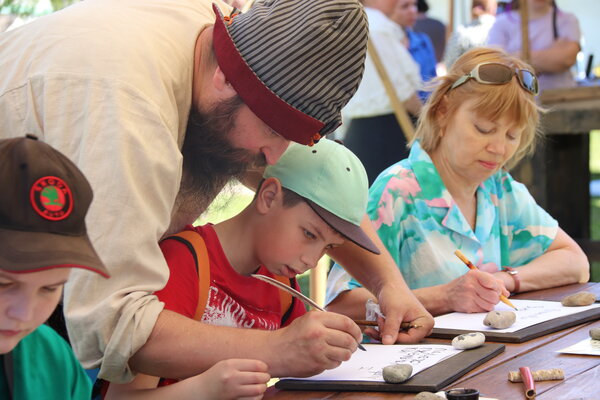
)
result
[(200, 253), (285, 299), (9, 372)]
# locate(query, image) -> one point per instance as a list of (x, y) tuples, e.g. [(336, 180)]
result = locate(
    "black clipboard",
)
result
[(432, 379), (525, 334)]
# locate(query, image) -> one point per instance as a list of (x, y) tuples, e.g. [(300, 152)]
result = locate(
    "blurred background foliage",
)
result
[(26, 8)]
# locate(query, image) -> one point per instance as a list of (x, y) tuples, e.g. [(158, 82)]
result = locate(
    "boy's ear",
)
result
[(269, 195), (222, 85)]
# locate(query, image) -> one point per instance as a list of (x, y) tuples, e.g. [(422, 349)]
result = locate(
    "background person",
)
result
[(453, 192), (474, 34), (435, 29), (373, 132), (554, 37), (419, 44)]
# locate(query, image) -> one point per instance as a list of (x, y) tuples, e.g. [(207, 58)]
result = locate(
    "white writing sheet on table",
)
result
[(588, 347), (530, 312), (368, 365)]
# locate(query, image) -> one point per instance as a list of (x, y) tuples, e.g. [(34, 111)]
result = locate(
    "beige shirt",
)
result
[(108, 83), (371, 98)]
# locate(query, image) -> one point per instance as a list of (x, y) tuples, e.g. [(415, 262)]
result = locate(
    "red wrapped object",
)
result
[(528, 382)]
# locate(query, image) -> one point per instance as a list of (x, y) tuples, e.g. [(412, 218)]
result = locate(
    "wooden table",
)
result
[(582, 373)]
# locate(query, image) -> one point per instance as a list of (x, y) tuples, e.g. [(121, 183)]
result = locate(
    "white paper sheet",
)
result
[(530, 312), (588, 347), (368, 365)]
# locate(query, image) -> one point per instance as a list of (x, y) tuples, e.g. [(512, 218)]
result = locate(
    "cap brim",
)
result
[(347, 229), (26, 251)]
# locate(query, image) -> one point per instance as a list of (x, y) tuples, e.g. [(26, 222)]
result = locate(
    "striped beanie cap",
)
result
[(294, 63)]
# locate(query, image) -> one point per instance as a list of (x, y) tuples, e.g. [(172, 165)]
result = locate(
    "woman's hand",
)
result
[(490, 268), (475, 291)]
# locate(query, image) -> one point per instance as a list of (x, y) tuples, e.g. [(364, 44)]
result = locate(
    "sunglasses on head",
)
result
[(500, 74)]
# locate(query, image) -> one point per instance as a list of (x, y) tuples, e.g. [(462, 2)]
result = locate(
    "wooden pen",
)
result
[(403, 326), (469, 264)]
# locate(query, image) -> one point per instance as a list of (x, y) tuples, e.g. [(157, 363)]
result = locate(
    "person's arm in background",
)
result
[(559, 57), (379, 274), (562, 54)]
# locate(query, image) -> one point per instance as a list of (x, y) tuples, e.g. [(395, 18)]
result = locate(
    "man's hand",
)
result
[(316, 341), (401, 306)]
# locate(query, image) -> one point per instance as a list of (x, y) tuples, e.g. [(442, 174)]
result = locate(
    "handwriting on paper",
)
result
[(530, 312), (368, 365)]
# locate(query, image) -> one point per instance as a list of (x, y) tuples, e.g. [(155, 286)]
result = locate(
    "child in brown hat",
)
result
[(42, 236)]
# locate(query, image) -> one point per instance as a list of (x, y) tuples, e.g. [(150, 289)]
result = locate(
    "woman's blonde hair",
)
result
[(492, 101)]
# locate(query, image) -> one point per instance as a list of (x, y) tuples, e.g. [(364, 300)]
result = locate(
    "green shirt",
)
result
[(45, 367)]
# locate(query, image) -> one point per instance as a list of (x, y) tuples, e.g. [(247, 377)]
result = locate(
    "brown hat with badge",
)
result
[(42, 210)]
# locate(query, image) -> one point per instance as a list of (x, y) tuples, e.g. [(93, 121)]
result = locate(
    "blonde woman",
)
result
[(454, 192)]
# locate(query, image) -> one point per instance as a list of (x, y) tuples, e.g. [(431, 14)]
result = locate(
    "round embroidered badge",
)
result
[(51, 198)]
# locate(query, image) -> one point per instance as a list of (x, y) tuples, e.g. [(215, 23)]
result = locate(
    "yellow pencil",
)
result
[(469, 264)]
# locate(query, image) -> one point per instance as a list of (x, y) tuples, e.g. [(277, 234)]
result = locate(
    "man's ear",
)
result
[(222, 85), (269, 195)]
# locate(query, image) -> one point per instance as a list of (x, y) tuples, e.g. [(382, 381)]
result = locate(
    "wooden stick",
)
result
[(403, 326), (554, 374), (450, 26), (399, 109), (524, 31)]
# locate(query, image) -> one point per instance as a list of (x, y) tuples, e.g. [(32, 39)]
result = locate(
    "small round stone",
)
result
[(579, 299), (468, 340), (428, 396), (397, 373), (595, 333), (500, 319)]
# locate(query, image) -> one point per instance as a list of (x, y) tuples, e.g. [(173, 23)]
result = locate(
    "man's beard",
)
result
[(209, 159)]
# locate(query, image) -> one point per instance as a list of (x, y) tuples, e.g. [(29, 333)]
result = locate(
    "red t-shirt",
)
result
[(234, 300)]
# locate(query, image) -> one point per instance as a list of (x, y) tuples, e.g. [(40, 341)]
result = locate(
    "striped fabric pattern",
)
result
[(310, 53)]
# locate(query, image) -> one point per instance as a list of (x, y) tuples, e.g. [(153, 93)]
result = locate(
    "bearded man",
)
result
[(110, 83)]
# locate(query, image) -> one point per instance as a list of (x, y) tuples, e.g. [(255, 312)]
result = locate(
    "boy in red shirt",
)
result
[(312, 200)]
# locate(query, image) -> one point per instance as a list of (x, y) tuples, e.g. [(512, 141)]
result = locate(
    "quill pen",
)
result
[(294, 293)]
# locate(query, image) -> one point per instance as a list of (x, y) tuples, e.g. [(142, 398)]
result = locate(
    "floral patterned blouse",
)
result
[(421, 226)]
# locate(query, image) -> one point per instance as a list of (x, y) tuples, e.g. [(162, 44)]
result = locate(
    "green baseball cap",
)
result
[(333, 182)]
